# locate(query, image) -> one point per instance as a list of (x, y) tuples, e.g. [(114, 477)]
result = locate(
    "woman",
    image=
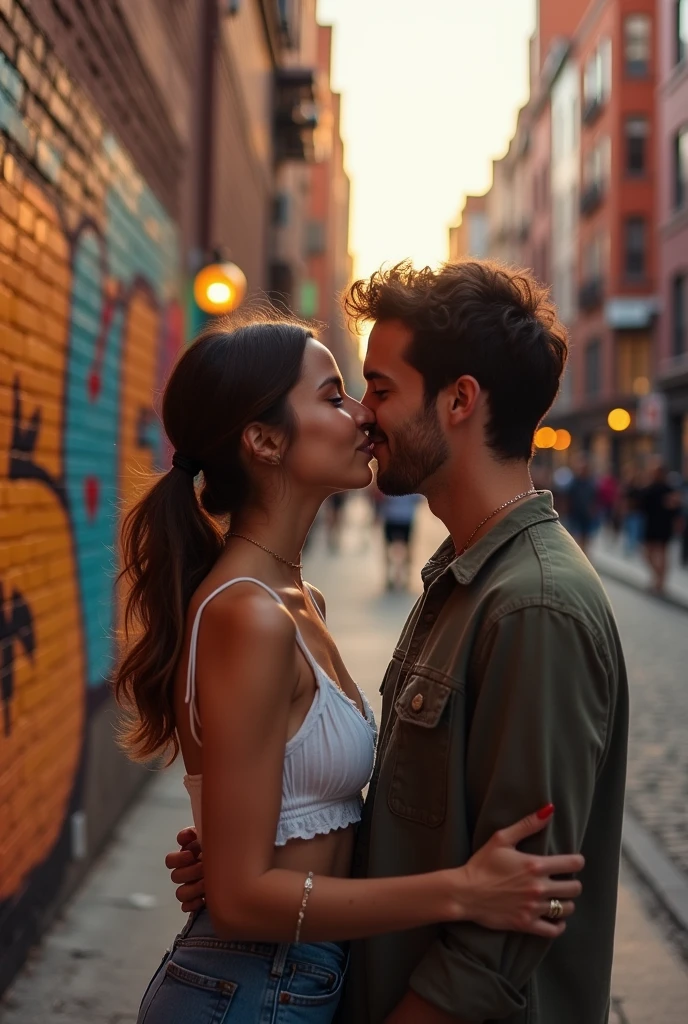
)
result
[(660, 506), (230, 661)]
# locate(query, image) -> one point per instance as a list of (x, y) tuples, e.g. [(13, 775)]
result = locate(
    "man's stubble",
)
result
[(420, 449)]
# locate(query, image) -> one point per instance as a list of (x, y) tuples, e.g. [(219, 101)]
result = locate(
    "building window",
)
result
[(316, 241), (679, 293), (681, 30), (681, 167), (637, 45), (597, 78), (280, 209), (637, 130), (635, 246), (593, 367)]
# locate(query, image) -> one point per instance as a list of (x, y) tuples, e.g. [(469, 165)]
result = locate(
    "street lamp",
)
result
[(219, 288)]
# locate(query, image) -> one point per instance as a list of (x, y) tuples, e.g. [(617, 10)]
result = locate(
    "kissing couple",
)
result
[(496, 776)]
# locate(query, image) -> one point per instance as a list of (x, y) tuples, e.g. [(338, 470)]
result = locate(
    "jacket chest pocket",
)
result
[(420, 751)]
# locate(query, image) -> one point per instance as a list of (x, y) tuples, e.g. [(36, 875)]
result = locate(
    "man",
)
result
[(582, 503), (507, 688), (660, 505)]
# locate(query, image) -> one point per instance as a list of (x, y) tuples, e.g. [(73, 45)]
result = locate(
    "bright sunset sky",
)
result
[(431, 89)]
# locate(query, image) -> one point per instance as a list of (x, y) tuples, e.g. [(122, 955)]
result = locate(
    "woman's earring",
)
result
[(276, 459)]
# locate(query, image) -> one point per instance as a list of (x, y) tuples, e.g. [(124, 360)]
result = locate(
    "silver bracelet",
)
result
[(307, 886)]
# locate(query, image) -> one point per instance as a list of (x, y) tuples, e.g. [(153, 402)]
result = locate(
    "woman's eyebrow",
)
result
[(334, 379)]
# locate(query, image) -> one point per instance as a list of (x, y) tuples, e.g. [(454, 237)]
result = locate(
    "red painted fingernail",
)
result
[(545, 812)]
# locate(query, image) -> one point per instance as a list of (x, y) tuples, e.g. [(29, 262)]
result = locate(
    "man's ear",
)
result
[(260, 442), (460, 399)]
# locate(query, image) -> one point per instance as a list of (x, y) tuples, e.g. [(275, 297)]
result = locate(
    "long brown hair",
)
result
[(229, 377)]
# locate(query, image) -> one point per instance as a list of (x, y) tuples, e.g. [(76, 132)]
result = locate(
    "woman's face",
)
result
[(330, 449)]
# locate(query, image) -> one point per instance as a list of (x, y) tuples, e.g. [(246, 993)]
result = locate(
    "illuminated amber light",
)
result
[(562, 441), (546, 437), (219, 288), (619, 419)]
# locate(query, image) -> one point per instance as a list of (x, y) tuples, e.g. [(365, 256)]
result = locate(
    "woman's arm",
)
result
[(247, 671)]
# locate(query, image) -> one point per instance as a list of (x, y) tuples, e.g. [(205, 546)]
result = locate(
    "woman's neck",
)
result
[(281, 528)]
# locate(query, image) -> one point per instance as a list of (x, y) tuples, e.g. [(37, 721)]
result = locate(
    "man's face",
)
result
[(408, 438)]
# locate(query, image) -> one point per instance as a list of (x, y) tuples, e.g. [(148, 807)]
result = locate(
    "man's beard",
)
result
[(419, 450)]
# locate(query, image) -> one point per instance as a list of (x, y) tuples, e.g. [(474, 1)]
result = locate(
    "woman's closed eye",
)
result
[(336, 400)]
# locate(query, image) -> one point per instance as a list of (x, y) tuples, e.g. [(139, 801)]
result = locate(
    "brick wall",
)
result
[(89, 323)]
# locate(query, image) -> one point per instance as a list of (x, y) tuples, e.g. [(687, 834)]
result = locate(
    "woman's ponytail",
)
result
[(169, 544)]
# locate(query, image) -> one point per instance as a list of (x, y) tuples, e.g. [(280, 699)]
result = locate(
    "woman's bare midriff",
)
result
[(329, 854)]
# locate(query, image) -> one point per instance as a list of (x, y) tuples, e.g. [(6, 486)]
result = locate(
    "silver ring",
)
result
[(556, 910)]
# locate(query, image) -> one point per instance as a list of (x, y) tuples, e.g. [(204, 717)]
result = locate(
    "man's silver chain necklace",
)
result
[(512, 501)]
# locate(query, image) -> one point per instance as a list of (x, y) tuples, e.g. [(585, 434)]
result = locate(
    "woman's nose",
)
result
[(362, 414)]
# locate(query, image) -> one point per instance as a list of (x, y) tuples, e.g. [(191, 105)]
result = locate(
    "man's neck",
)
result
[(466, 497)]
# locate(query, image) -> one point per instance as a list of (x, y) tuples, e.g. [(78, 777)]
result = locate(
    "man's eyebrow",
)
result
[(375, 375), (334, 379)]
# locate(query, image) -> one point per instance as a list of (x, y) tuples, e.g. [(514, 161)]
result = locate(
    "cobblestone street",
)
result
[(655, 639)]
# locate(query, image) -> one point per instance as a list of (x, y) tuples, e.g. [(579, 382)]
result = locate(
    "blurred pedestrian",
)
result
[(334, 515), (631, 514), (583, 509), (608, 500), (397, 515), (660, 506)]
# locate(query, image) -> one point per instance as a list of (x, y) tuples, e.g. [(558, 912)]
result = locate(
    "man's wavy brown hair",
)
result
[(481, 319)]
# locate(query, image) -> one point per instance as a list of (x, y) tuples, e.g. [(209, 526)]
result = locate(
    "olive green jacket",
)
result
[(507, 691)]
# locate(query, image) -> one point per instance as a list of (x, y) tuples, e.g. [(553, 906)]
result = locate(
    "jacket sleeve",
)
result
[(540, 698)]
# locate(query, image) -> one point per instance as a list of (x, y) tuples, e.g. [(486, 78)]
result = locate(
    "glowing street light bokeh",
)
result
[(619, 419), (219, 288)]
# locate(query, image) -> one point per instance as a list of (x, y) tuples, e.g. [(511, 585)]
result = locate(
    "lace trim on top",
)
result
[(319, 821)]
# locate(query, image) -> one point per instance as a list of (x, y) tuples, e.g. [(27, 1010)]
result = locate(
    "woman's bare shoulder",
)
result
[(246, 612)]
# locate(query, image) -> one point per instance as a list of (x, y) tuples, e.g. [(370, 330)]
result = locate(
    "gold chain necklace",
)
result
[(292, 565), (525, 494)]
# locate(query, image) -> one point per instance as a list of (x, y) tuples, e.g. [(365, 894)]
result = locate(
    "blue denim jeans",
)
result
[(204, 980)]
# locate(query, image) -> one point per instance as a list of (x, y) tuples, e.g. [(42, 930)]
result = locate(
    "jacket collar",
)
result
[(539, 509)]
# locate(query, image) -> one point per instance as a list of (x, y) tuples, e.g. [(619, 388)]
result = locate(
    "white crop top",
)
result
[(326, 763)]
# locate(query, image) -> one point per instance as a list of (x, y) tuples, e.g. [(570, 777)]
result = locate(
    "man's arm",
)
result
[(541, 693), (414, 1010)]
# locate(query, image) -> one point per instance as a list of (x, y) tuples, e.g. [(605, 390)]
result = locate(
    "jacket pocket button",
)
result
[(417, 702)]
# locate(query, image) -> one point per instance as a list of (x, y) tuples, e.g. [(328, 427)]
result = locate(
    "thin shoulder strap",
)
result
[(190, 698), (314, 601)]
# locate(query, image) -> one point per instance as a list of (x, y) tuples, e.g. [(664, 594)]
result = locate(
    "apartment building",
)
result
[(672, 154), (469, 239)]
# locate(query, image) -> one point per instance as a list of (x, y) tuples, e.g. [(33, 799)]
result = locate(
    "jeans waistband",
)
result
[(278, 953)]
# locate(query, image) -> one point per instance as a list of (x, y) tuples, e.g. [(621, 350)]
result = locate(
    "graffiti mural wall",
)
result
[(89, 324)]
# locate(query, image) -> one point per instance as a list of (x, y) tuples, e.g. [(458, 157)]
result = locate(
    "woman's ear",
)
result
[(260, 443)]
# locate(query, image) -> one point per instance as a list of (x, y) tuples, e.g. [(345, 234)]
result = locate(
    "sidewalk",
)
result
[(608, 557), (94, 965)]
